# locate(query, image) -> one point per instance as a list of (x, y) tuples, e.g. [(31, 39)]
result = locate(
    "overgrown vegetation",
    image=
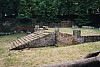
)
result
[(49, 10)]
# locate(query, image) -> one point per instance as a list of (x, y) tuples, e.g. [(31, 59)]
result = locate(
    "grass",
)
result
[(36, 57), (84, 32)]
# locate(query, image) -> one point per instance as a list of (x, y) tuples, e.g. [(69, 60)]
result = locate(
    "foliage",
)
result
[(47, 10), (9, 7)]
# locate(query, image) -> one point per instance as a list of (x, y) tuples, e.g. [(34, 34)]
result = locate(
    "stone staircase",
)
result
[(23, 42)]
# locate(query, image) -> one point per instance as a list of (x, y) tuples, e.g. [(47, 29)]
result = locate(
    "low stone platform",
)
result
[(36, 39)]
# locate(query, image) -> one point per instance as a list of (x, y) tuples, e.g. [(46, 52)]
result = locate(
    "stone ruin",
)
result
[(90, 60), (45, 27), (84, 39), (36, 28), (42, 38)]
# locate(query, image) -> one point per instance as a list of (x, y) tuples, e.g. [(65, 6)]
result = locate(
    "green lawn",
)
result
[(84, 32), (36, 57)]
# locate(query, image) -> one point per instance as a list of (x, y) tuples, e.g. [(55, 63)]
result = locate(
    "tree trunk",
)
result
[(89, 62)]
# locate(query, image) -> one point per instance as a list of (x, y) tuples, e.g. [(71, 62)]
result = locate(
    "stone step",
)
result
[(29, 38), (13, 44), (26, 39), (35, 37), (20, 41)]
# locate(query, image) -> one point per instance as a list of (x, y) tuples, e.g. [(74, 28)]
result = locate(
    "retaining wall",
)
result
[(90, 38), (58, 39), (84, 39), (47, 40), (66, 39)]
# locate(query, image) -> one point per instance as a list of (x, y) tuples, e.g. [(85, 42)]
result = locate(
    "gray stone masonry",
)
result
[(83, 39), (42, 39)]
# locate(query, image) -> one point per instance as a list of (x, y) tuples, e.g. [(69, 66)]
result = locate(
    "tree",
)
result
[(25, 9), (48, 10)]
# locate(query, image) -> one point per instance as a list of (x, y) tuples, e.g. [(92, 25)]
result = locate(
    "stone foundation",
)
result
[(66, 39), (84, 39), (56, 38), (39, 41)]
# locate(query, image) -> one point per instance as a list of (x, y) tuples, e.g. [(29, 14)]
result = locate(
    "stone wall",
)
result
[(84, 39), (90, 38), (13, 27), (64, 39), (58, 39), (48, 40)]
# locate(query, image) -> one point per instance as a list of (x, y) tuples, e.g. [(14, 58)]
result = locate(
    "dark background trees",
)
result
[(82, 12)]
